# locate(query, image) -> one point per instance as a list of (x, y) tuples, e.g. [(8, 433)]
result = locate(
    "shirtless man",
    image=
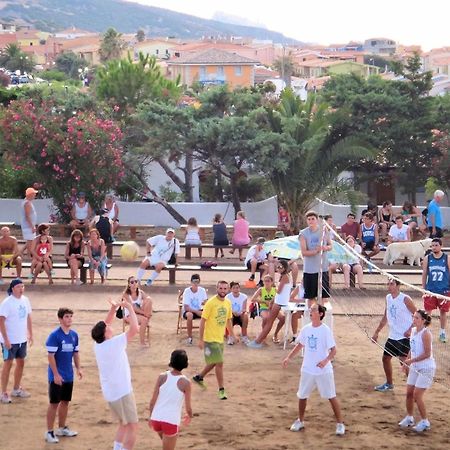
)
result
[(9, 253)]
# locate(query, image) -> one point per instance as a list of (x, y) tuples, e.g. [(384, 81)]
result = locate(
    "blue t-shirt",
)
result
[(63, 346), (434, 210)]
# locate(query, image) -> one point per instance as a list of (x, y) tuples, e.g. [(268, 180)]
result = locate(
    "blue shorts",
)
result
[(17, 351)]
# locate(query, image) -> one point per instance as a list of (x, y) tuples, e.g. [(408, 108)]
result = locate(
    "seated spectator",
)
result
[(9, 253), (350, 227), (142, 305), (74, 255), (240, 316), (98, 260), (192, 236), (42, 228), (256, 260), (371, 208), (160, 250), (194, 297), (104, 225), (329, 220), (264, 296), (284, 221), (113, 212), (220, 238), (241, 236), (400, 232), (411, 215), (385, 219), (81, 213), (353, 264), (42, 258), (368, 237)]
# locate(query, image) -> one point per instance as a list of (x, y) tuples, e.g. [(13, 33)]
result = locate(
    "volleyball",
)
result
[(129, 251)]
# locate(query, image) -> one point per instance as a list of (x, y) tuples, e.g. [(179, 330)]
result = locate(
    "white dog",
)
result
[(413, 251)]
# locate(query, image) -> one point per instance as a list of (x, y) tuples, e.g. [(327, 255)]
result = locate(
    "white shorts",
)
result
[(421, 378), (324, 383), (28, 235), (155, 259)]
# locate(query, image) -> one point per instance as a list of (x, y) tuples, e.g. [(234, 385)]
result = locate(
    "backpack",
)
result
[(208, 264)]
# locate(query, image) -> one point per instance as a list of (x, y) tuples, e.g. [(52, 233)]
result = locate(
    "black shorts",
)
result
[(369, 245), (80, 262), (438, 234), (237, 320), (258, 265), (311, 282), (17, 351), (196, 316), (57, 393), (396, 348)]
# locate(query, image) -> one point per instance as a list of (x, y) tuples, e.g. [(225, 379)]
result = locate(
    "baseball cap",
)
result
[(14, 283), (170, 230), (31, 190), (81, 194)]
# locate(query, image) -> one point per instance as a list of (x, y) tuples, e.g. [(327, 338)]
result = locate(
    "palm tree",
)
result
[(285, 65), (312, 155), (13, 58), (112, 45)]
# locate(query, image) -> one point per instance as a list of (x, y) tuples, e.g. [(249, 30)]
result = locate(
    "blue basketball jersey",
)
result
[(438, 277), (368, 234)]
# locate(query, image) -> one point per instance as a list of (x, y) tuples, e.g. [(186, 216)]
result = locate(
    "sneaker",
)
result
[(199, 380), (230, 340), (51, 438), (21, 393), (260, 283), (252, 278), (384, 387), (442, 338), (422, 426), (5, 398), (189, 341), (297, 425), (245, 340), (66, 431), (406, 422), (148, 282), (222, 394), (340, 429), (254, 344)]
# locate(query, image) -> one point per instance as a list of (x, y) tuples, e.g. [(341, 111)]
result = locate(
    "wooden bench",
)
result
[(202, 228), (134, 228), (173, 269), (7, 224), (188, 248)]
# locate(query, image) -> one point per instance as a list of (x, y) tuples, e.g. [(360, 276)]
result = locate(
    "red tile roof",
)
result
[(212, 56)]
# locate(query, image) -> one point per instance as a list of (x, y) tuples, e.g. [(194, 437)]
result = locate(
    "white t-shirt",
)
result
[(253, 252), (162, 248), (194, 299), (237, 302), (317, 342), (16, 311), (113, 367), (399, 234)]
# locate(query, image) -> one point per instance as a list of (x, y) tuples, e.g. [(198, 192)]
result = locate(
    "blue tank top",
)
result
[(368, 234), (438, 277)]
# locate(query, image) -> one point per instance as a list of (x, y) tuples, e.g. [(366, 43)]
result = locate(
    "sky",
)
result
[(426, 23)]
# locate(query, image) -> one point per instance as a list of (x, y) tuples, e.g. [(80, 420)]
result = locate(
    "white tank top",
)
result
[(81, 213), (282, 298), (112, 211), (192, 234), (417, 349), (398, 315), (23, 218), (138, 302), (170, 401)]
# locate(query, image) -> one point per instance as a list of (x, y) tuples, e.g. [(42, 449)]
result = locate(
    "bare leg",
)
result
[(443, 319), (62, 414), (18, 372), (18, 263), (6, 369), (346, 270), (302, 408), (409, 400), (169, 442), (336, 409), (418, 398), (219, 374), (273, 315), (387, 366), (51, 414)]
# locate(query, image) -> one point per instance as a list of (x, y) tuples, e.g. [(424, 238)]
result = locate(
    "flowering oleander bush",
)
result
[(80, 153)]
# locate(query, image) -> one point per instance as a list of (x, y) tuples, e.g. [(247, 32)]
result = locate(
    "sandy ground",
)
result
[(262, 402)]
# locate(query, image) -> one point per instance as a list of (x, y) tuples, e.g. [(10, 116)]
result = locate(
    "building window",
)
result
[(238, 71), (202, 72), (220, 71)]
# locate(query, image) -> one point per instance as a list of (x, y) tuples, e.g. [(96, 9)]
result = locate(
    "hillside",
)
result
[(98, 15)]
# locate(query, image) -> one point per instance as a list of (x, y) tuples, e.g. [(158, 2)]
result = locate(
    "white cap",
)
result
[(170, 230), (439, 193)]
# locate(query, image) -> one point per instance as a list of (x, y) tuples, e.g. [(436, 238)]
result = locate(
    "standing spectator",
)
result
[(385, 219), (220, 238), (194, 297), (239, 307), (115, 374), (399, 232), (434, 217), (160, 250), (421, 371), (98, 260), (104, 226), (192, 236), (436, 279), (9, 253), (15, 331), (216, 317), (317, 340), (172, 387), (113, 211), (284, 221), (241, 236), (28, 218), (368, 237), (398, 313), (62, 347), (74, 255), (315, 248), (256, 259), (81, 213), (350, 227)]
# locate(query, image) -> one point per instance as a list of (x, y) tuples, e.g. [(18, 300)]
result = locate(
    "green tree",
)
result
[(13, 58), (140, 35), (112, 45), (285, 65), (69, 63)]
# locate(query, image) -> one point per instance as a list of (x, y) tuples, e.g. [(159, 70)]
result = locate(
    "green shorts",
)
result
[(213, 352)]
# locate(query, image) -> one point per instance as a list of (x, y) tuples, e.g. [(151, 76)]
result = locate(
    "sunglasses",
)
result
[(132, 281), (195, 281)]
